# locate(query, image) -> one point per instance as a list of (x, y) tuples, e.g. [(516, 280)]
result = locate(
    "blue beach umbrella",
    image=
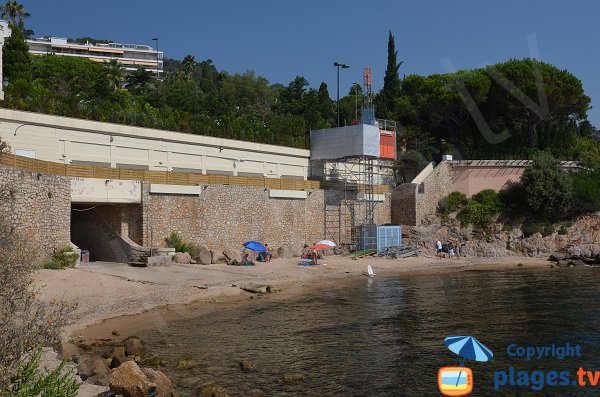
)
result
[(255, 246), (468, 348)]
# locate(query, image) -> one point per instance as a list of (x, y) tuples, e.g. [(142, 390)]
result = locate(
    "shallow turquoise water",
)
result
[(384, 336)]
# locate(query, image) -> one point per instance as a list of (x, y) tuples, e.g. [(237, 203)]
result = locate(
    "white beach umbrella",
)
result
[(327, 242)]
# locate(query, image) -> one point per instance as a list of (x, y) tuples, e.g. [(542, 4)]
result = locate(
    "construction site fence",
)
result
[(164, 177)]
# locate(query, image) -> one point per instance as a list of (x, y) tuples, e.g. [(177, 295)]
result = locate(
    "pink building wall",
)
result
[(471, 179)]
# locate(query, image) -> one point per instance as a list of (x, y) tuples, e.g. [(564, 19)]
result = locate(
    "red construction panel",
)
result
[(387, 145)]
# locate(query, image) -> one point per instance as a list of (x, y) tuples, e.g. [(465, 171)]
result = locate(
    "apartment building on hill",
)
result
[(129, 55)]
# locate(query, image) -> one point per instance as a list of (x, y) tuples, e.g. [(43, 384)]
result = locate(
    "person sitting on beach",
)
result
[(246, 260), (440, 252), (268, 253)]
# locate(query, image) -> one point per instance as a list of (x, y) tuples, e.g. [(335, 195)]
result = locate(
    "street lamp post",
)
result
[(338, 66), (356, 101), (155, 39)]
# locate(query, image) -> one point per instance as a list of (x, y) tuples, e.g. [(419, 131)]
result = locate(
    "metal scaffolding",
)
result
[(350, 199)]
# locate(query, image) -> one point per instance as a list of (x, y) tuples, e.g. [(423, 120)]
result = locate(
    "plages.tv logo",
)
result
[(458, 381)]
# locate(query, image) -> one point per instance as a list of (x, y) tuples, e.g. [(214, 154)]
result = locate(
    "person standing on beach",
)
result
[(438, 245)]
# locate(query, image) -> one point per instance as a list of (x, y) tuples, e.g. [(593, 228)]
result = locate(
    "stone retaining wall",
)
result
[(411, 202), (38, 205), (230, 215)]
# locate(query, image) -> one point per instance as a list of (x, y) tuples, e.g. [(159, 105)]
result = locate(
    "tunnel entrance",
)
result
[(106, 230)]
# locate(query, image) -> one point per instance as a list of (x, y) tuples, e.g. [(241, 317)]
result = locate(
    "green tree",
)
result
[(115, 74), (188, 65), (386, 100), (16, 58), (14, 13), (138, 81), (548, 188)]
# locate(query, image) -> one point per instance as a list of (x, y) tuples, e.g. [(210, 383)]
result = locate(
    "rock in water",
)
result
[(214, 391), (292, 378), (186, 363), (164, 386), (247, 365), (130, 381), (133, 347), (256, 393)]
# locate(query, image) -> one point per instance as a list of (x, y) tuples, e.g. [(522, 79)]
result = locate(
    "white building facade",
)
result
[(131, 56)]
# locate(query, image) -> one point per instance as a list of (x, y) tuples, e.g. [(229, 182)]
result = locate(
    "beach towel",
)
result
[(303, 263)]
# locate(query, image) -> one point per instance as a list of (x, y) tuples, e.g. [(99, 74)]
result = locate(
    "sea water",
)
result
[(385, 336)]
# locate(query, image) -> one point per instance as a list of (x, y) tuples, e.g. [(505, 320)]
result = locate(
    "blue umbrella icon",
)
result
[(255, 246), (468, 348)]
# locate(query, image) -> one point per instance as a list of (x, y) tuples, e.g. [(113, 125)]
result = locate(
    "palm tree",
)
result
[(115, 74), (188, 65), (14, 13)]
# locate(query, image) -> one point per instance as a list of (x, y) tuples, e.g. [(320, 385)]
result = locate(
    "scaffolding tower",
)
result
[(350, 198), (348, 162)]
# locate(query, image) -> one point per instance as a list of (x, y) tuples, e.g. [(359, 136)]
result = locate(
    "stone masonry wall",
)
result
[(38, 205), (413, 202), (230, 215)]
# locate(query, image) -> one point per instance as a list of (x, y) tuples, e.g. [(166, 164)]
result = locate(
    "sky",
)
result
[(281, 39)]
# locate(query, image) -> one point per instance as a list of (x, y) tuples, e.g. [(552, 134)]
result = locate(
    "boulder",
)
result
[(91, 367), (164, 386), (204, 256), (183, 257), (214, 391), (133, 347), (216, 256), (117, 357), (231, 254), (285, 252), (129, 380)]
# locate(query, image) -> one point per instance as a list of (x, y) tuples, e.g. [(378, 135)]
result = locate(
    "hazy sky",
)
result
[(280, 39)]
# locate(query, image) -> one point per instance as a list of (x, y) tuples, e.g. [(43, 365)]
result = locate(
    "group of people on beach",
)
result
[(263, 256), (452, 248)]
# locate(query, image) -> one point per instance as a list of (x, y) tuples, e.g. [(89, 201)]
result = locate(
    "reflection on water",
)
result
[(384, 336)]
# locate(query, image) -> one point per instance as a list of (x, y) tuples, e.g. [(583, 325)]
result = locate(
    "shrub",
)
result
[(30, 382), (548, 188), (476, 214), (453, 202), (490, 199), (548, 230), (62, 258), (175, 241), (586, 186), (530, 229), (563, 230), (513, 200), (27, 323)]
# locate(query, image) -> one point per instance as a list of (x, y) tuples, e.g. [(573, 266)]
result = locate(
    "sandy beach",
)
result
[(111, 296)]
